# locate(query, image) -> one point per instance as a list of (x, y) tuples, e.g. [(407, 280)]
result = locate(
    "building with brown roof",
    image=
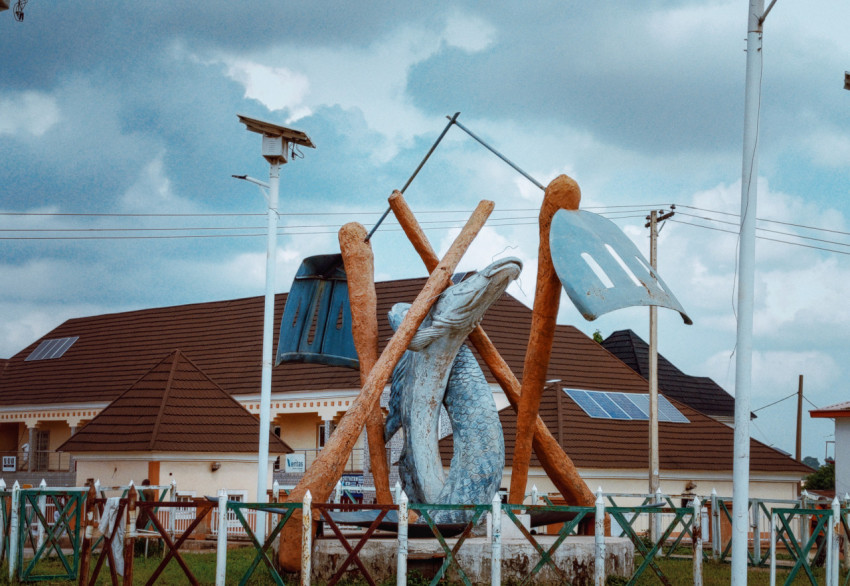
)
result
[(58, 384), (840, 413), (172, 422)]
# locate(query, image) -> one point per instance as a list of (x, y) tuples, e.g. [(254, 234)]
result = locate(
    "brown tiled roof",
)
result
[(174, 407), (224, 338), (701, 445), (699, 392)]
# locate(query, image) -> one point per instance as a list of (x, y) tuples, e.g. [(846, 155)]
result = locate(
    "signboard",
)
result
[(10, 463), (296, 463), (352, 481)]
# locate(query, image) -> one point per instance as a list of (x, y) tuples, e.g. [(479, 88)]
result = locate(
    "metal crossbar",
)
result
[(619, 513), (106, 542), (425, 511), (546, 555), (262, 549), (202, 509), (66, 521), (800, 553), (326, 511)]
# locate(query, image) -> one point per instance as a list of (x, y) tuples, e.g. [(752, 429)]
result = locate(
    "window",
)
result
[(320, 436), (41, 452)]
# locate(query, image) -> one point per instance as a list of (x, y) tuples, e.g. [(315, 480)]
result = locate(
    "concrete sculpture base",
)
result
[(575, 557)]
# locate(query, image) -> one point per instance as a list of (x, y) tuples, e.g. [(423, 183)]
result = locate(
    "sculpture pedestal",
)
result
[(575, 557)]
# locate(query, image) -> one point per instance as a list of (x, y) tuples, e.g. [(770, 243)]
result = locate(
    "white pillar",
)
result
[(715, 526), (268, 343), (221, 543), (496, 541), (42, 507), (401, 561), (2, 519), (746, 279), (599, 540), (13, 532), (833, 542), (172, 511), (696, 530), (306, 538), (534, 495), (773, 549)]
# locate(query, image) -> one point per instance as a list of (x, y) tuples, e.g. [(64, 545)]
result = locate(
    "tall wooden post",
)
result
[(561, 193), (360, 274)]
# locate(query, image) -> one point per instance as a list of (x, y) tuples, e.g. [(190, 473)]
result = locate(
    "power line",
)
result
[(765, 238)]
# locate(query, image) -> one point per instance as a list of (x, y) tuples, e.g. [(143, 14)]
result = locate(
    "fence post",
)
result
[(655, 530), (13, 532), (696, 530), (715, 526), (338, 492), (172, 511), (221, 543), (129, 534), (846, 537), (275, 491), (306, 538), (42, 508), (772, 549), (599, 539), (401, 563), (87, 531), (496, 540), (534, 495), (834, 543), (756, 515), (804, 519), (3, 518), (397, 491)]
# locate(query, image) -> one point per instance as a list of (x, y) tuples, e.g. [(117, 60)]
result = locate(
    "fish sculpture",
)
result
[(439, 370)]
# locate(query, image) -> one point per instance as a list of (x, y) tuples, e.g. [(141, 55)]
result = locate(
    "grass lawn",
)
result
[(238, 561)]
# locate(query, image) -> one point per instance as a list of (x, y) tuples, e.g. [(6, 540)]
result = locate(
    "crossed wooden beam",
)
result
[(321, 477)]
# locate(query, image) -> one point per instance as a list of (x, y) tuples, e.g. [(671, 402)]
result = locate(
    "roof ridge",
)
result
[(176, 354)]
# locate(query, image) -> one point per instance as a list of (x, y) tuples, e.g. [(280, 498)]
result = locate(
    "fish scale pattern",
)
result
[(479, 446)]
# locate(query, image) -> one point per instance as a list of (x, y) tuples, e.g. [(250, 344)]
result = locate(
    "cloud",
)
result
[(28, 112)]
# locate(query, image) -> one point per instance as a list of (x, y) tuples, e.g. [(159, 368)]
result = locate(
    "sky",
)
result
[(119, 137)]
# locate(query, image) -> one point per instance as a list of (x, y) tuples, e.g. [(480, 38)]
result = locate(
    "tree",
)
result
[(811, 462), (822, 479), (597, 337)]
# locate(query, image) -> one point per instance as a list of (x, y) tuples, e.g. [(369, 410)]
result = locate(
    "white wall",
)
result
[(842, 456)]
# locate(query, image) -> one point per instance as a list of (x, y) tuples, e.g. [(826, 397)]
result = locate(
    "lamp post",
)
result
[(275, 149)]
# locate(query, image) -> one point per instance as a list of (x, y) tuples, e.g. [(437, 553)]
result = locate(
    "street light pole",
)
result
[(746, 279), (276, 145)]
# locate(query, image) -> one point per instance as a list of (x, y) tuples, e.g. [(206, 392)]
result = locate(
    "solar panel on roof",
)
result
[(54, 348), (623, 406), (667, 412), (610, 406), (583, 400), (626, 404)]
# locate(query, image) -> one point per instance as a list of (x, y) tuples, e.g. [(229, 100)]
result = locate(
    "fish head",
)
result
[(461, 307)]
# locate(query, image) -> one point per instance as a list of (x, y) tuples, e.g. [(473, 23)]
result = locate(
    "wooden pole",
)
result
[(87, 531), (799, 452), (360, 274), (561, 193), (557, 464), (321, 477), (129, 534)]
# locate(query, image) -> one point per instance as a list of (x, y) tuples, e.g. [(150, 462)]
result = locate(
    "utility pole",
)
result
[(799, 452), (654, 462)]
